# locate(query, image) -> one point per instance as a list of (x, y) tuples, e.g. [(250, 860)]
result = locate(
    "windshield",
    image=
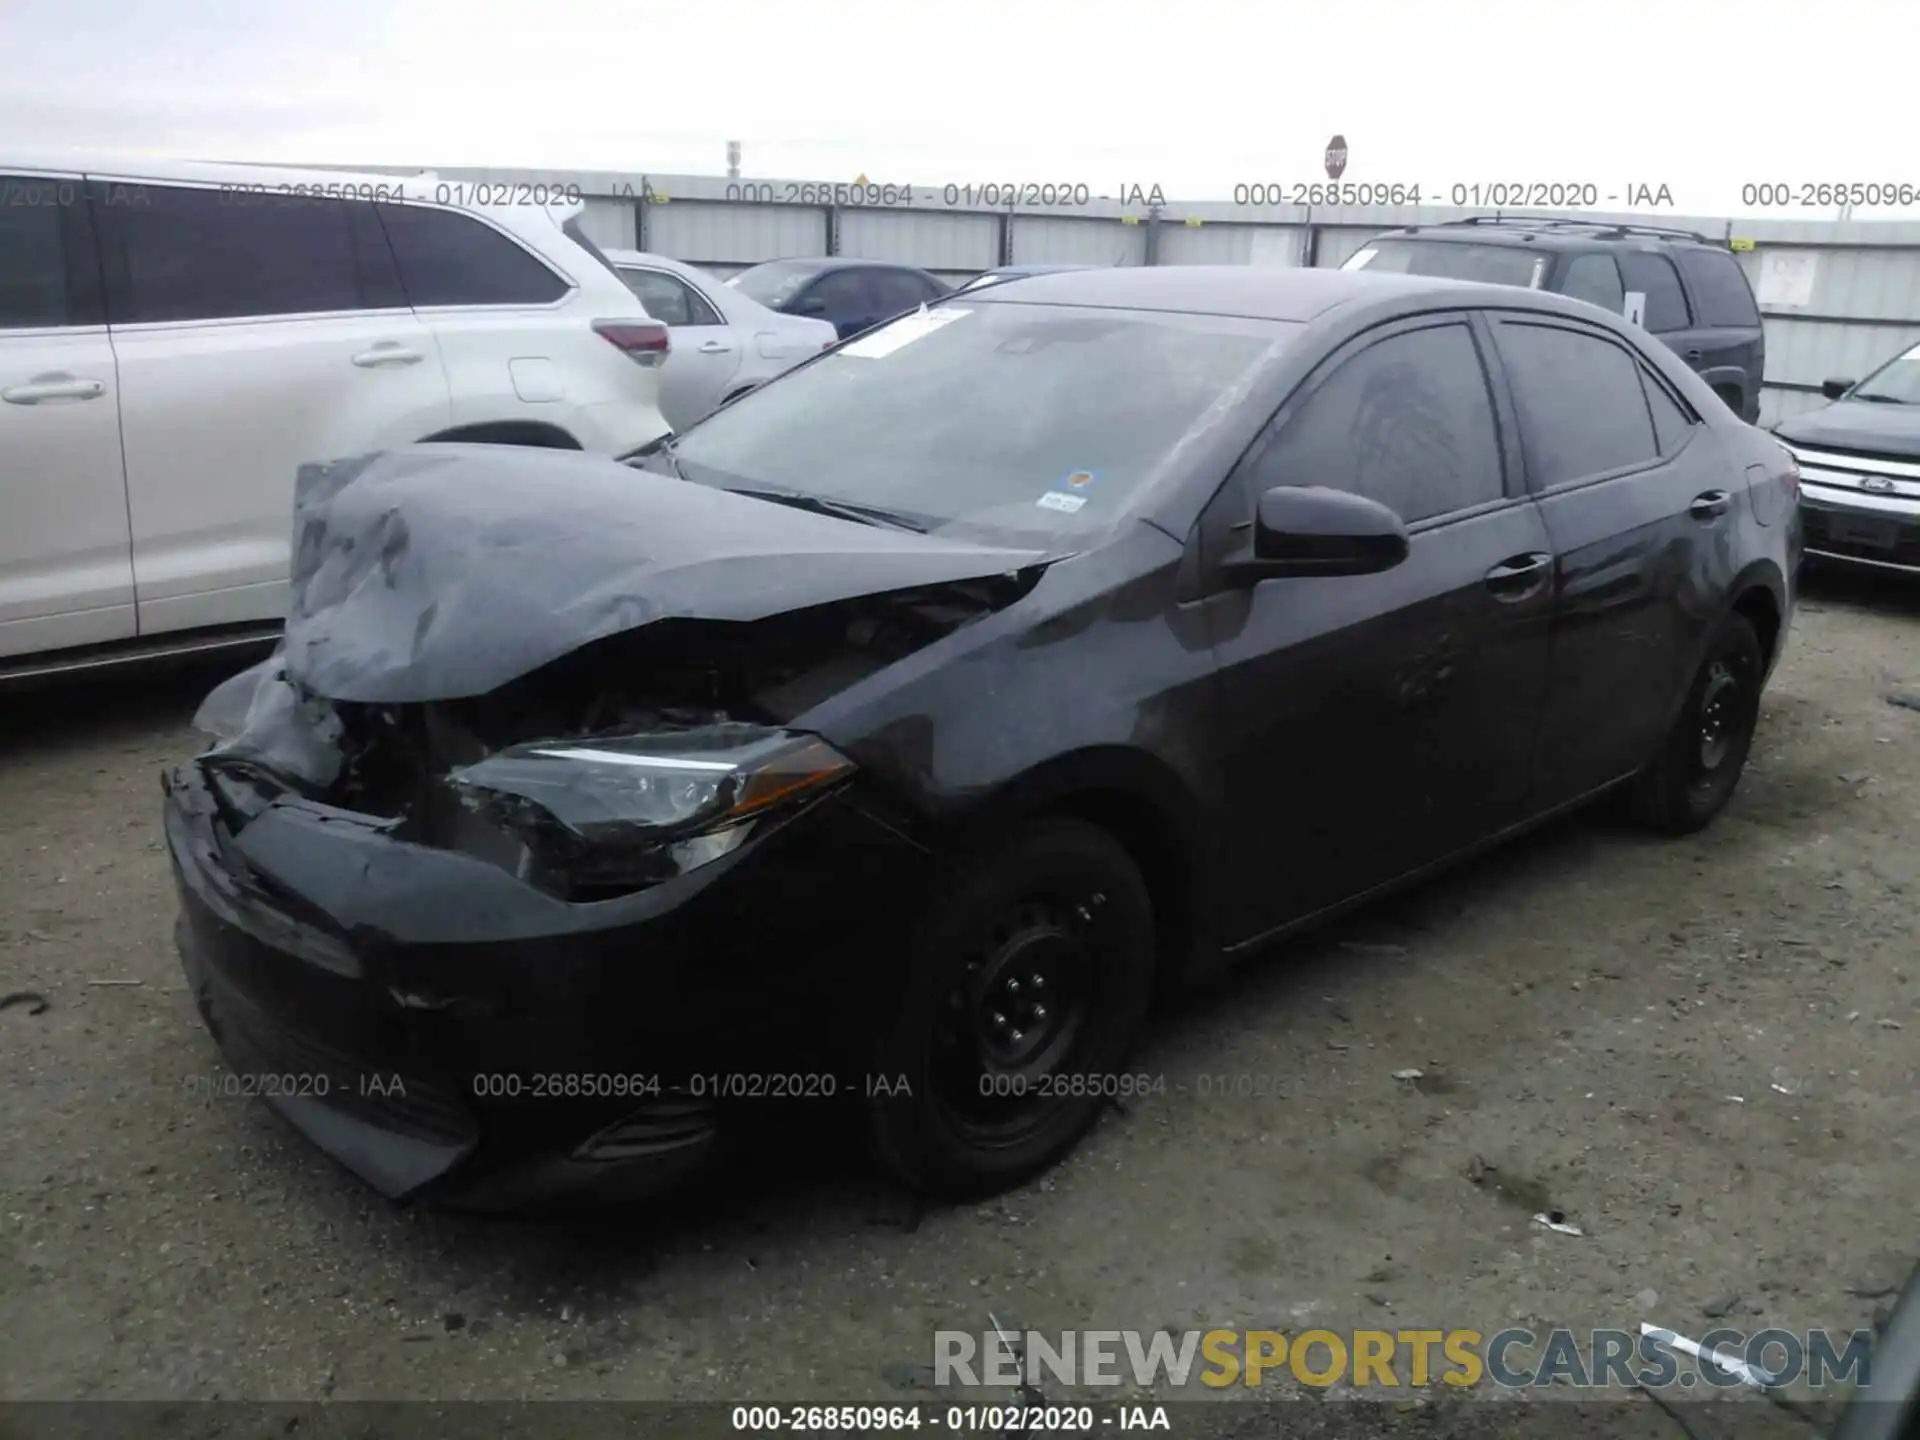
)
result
[(1898, 380), (1453, 260), (776, 282), (1012, 421)]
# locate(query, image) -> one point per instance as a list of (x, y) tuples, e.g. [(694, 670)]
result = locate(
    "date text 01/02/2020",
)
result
[(1526, 194), (971, 194)]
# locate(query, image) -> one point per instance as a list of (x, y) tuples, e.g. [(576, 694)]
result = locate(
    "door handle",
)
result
[(715, 347), (1519, 577), (1710, 506), (387, 353), (43, 388)]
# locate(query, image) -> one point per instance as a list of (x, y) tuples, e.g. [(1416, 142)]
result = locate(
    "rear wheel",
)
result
[(1028, 984), (1701, 760)]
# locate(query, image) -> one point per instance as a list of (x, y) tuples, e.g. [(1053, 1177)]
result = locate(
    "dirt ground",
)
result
[(1585, 1006)]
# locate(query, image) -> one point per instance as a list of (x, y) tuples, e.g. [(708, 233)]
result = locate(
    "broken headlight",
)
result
[(591, 819)]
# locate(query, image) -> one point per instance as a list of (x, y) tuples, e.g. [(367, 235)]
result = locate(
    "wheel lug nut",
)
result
[(1013, 987)]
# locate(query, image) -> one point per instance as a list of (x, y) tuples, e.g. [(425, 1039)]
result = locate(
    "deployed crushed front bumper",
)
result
[(447, 1032)]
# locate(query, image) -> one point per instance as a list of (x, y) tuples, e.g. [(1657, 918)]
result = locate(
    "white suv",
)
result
[(177, 339)]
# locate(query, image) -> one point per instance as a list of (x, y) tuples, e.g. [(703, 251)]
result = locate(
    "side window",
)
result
[(1654, 276), (1720, 288), (1407, 421), (171, 253), (897, 290), (844, 292), (700, 309), (1596, 280), (1583, 410), (663, 295), (39, 221), (1672, 425), (447, 258)]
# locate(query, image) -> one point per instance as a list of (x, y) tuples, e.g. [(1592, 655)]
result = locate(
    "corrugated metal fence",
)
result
[(1839, 297)]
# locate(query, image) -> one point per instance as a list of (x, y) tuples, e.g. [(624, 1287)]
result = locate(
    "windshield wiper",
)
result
[(1875, 397), (839, 509), (661, 446)]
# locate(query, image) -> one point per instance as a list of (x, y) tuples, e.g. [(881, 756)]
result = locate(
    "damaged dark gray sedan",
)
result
[(899, 732)]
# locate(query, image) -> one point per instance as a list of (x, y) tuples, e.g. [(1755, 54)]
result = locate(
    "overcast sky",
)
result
[(1195, 96)]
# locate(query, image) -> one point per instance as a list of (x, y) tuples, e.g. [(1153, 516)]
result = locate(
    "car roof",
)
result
[(1547, 232), (824, 263), (1256, 292), (1037, 269), (131, 166), (648, 257)]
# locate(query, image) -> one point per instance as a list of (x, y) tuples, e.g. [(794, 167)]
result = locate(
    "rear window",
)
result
[(1453, 260), (1719, 288), (774, 283), (1021, 420)]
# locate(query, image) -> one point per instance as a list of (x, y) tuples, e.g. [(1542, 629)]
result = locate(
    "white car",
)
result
[(176, 339), (724, 341)]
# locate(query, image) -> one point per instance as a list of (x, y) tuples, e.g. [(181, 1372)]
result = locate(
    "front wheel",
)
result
[(1700, 761), (1027, 985)]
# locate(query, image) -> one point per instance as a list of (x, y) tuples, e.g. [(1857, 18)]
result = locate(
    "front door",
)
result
[(66, 568), (1373, 724)]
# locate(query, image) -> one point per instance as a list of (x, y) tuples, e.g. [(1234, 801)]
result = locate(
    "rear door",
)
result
[(66, 567), (254, 333), (1639, 509), (1727, 344), (706, 353), (1594, 278), (1373, 724)]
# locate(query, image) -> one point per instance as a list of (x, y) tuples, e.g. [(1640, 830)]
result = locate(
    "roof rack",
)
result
[(1556, 222)]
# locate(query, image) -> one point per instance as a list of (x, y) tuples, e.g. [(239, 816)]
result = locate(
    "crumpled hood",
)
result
[(1890, 430), (438, 572)]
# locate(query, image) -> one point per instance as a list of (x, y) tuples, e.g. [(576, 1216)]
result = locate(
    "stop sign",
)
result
[(1336, 157)]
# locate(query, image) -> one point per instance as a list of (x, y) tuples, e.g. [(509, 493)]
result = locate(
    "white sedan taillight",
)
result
[(645, 342)]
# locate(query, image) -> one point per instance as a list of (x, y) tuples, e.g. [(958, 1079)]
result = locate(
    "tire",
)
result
[(1703, 755), (988, 1105)]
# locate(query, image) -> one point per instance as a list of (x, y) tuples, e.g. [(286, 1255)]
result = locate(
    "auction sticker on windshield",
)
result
[(902, 332)]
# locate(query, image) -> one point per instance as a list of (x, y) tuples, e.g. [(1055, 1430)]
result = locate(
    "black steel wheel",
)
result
[(1029, 980), (1702, 758)]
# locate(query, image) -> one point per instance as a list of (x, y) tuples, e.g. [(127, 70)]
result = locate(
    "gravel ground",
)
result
[(1584, 1005)]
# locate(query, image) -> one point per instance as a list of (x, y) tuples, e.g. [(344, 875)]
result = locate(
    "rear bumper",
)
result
[(428, 1029)]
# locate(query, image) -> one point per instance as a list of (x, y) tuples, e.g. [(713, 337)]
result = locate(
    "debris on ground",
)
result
[(35, 1002), (1556, 1221), (1905, 699), (1720, 1309), (1739, 1369), (1382, 949), (1409, 1074)]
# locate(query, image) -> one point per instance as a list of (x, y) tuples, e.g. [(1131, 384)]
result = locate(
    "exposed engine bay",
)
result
[(387, 759)]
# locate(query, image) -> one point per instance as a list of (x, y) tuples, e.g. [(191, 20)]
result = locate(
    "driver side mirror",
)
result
[(1834, 389), (1311, 530), (811, 305)]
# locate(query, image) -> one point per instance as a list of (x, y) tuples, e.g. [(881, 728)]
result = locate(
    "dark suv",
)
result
[(1686, 289)]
